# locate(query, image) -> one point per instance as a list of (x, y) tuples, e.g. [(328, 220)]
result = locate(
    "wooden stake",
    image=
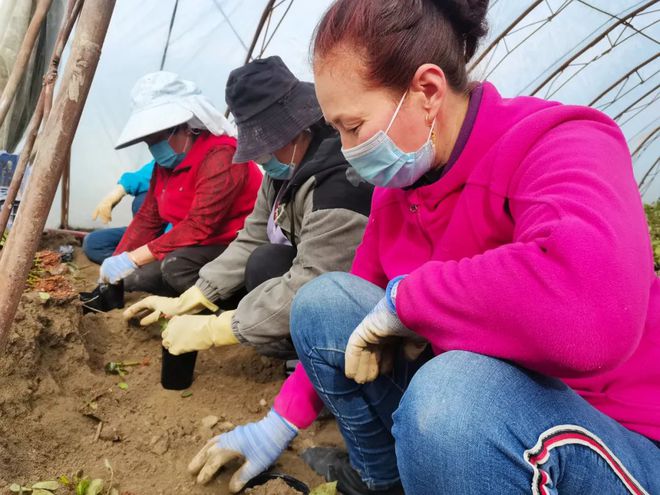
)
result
[(55, 143)]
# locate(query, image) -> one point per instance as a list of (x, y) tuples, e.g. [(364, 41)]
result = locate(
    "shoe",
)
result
[(102, 299), (333, 465), (290, 366)]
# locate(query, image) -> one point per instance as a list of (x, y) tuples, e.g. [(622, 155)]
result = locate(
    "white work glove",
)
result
[(373, 345), (260, 444), (105, 206), (190, 302), (116, 268)]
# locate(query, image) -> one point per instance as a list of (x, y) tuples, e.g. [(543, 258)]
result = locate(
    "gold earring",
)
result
[(427, 119)]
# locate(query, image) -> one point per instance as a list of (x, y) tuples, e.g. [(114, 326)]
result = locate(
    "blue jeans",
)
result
[(464, 423), (101, 244)]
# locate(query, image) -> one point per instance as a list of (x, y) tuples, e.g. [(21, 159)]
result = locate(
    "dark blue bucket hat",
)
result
[(270, 107)]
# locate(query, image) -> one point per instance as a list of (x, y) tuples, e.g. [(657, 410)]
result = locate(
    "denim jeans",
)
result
[(101, 244), (465, 423)]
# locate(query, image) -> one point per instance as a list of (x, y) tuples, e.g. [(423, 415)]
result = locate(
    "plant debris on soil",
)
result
[(63, 414), (50, 276)]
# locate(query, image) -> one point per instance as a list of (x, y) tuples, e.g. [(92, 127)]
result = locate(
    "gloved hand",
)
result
[(189, 333), (369, 351), (116, 268), (105, 206), (260, 443), (190, 302)]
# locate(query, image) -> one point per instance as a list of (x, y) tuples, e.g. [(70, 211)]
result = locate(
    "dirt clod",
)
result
[(210, 421)]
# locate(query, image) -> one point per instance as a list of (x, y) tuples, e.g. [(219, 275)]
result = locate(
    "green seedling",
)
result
[(119, 367), (85, 486)]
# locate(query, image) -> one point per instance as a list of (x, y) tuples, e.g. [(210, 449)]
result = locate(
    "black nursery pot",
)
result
[(176, 372), (264, 478), (104, 297)]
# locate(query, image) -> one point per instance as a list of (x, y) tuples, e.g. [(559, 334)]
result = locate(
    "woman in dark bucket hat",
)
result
[(270, 106), (310, 216)]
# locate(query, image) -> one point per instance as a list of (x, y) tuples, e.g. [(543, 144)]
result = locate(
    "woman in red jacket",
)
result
[(194, 186)]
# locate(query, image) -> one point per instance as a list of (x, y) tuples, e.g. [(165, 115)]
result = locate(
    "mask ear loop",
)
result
[(185, 146), (396, 112), (293, 156)]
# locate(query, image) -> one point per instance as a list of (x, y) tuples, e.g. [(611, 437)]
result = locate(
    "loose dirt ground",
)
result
[(61, 413)]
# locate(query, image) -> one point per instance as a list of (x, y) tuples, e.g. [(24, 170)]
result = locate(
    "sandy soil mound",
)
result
[(60, 412)]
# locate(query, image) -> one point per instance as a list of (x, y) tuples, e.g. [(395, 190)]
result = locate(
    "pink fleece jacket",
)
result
[(532, 248)]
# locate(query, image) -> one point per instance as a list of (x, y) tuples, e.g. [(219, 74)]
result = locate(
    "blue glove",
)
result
[(116, 268), (367, 352), (260, 443)]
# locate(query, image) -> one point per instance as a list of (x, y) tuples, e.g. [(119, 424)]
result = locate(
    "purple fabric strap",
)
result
[(274, 231)]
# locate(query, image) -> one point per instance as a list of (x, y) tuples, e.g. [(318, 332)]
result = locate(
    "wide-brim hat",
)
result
[(150, 121), (156, 99), (270, 107)]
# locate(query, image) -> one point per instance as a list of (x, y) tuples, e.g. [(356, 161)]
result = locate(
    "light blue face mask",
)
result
[(380, 161), (278, 170), (164, 155)]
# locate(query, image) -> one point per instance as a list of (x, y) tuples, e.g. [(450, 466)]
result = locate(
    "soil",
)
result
[(61, 413), (273, 487)]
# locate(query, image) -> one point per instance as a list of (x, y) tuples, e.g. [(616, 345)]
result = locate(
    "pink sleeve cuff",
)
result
[(297, 401)]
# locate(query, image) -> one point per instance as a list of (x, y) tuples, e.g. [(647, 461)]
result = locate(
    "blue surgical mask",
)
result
[(381, 162), (164, 155), (278, 170)]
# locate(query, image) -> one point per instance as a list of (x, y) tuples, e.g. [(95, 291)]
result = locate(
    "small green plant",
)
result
[(119, 367), (78, 484)]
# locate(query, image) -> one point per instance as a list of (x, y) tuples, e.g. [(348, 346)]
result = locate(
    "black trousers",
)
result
[(266, 262), (175, 274)]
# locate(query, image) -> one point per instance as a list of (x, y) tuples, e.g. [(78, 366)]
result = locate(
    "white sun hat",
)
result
[(162, 100)]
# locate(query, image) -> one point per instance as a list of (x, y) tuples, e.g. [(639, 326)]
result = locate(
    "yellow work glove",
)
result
[(190, 302), (189, 333), (104, 208)]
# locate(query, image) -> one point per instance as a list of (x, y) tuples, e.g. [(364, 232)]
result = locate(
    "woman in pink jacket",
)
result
[(506, 233), (510, 236)]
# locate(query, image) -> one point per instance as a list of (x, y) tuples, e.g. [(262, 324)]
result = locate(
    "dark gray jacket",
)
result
[(323, 213)]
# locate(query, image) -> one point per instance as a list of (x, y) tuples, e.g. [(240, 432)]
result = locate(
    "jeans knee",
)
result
[(452, 400), (312, 305), (326, 310)]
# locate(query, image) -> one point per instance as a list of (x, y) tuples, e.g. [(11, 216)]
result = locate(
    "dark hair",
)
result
[(397, 36)]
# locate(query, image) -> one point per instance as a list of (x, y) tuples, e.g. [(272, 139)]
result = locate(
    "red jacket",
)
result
[(206, 198)]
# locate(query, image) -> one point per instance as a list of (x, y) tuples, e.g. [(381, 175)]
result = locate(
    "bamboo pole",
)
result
[(40, 112), (73, 9), (55, 143), (23, 57), (65, 188)]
